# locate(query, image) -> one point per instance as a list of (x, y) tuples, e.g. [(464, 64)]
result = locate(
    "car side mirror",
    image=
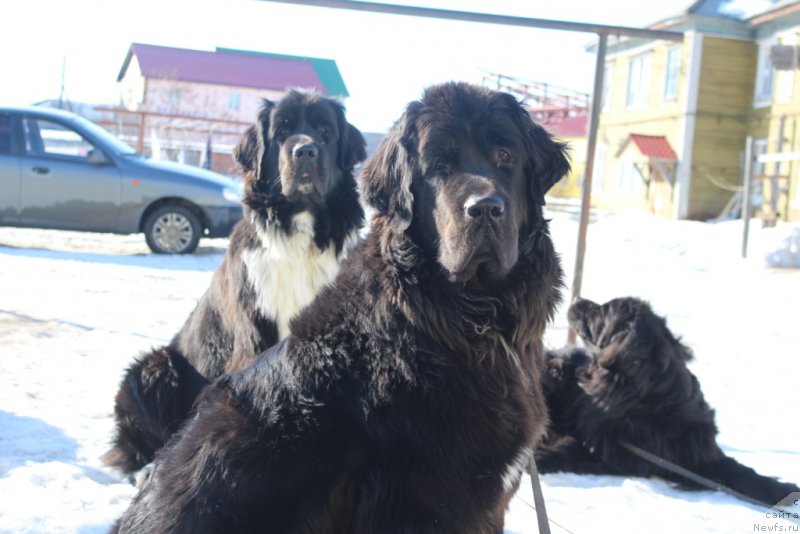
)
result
[(96, 157)]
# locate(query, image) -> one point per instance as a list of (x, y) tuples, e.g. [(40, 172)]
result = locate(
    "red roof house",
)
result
[(179, 101), (227, 68), (221, 83)]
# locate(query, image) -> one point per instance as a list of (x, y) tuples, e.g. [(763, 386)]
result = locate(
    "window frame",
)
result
[(764, 90), (174, 97), (234, 101), (760, 147), (629, 181), (599, 169), (672, 73), (37, 146), (784, 79), (608, 85), (13, 135), (642, 82)]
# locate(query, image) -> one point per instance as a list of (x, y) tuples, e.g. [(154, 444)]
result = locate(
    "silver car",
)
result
[(59, 170)]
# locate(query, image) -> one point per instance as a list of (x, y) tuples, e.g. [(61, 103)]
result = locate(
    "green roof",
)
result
[(326, 69)]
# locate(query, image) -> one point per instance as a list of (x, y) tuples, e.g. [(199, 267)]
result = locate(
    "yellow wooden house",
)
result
[(675, 116)]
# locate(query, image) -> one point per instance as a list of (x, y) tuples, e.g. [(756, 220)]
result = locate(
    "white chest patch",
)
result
[(515, 468), (288, 271)]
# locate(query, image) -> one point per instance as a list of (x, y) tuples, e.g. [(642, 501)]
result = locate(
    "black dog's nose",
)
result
[(488, 207), (305, 151)]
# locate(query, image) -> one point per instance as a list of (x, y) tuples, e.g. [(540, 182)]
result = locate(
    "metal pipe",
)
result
[(591, 145), (507, 20)]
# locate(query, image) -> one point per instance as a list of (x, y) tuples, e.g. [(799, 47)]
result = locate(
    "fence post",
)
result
[(747, 190)]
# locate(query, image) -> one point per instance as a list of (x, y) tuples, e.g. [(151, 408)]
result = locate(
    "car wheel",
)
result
[(172, 229)]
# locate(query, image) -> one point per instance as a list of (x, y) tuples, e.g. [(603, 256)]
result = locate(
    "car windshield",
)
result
[(119, 147)]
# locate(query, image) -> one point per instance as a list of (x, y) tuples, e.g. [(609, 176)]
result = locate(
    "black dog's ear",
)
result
[(551, 161), (548, 160), (245, 154), (249, 151), (388, 175), (352, 146)]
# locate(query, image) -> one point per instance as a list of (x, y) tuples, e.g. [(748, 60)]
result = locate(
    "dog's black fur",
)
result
[(407, 398), (631, 384), (300, 195)]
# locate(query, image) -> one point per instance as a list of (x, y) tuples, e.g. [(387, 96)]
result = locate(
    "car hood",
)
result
[(183, 170)]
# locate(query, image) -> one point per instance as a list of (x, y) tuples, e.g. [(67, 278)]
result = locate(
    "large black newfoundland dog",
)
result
[(631, 385), (407, 397), (302, 218)]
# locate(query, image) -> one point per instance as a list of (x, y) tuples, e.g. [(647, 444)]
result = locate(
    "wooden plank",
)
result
[(785, 156)]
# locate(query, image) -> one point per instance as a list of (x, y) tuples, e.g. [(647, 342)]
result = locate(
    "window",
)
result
[(174, 97), (234, 101), (43, 137), (672, 74), (796, 202), (765, 74), (759, 170), (759, 148), (598, 172), (784, 84), (639, 80), (608, 78), (630, 180), (5, 135)]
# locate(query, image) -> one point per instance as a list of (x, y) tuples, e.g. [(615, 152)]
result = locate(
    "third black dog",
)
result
[(631, 385)]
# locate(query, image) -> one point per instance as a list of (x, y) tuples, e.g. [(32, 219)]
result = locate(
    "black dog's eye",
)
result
[(504, 157), (282, 132), (325, 131)]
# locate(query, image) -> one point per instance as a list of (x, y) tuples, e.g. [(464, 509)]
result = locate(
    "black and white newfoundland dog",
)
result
[(407, 397), (631, 385), (302, 218)]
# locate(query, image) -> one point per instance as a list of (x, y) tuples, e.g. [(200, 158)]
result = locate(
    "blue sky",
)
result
[(385, 60)]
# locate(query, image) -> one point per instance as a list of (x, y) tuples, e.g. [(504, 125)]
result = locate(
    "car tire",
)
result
[(172, 229)]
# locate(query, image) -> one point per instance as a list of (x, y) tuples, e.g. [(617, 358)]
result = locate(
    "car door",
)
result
[(9, 171), (61, 186)]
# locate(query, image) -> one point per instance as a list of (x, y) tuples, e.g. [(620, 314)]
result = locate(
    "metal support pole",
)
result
[(597, 103), (747, 190), (468, 16)]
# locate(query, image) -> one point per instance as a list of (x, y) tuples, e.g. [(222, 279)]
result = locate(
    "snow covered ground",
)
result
[(75, 308)]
